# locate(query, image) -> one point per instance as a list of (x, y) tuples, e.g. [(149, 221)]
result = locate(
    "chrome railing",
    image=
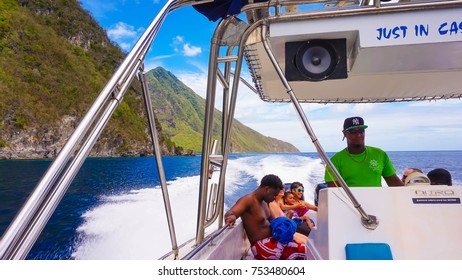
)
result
[(26, 227)]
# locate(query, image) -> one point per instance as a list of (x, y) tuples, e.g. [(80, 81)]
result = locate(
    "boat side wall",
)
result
[(418, 222)]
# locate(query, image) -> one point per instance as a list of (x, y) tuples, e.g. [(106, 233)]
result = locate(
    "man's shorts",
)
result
[(271, 249)]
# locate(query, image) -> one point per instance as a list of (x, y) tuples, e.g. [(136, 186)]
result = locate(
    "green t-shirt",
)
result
[(361, 170)]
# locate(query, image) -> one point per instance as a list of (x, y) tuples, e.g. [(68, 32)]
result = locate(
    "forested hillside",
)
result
[(54, 61)]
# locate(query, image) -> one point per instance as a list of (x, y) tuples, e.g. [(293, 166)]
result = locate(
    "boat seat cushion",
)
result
[(368, 251)]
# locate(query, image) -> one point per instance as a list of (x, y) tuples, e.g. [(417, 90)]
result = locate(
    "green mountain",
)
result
[(181, 111), (54, 61)]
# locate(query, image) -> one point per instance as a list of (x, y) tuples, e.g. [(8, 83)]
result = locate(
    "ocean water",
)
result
[(114, 208)]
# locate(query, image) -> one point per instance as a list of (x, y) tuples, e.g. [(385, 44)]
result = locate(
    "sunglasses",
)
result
[(299, 190), (356, 131)]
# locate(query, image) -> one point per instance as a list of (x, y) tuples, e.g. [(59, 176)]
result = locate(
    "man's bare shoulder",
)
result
[(247, 199), (243, 204)]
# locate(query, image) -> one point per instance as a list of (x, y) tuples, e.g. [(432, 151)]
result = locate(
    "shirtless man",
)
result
[(255, 214)]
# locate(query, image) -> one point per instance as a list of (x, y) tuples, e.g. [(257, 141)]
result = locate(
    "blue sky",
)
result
[(182, 47)]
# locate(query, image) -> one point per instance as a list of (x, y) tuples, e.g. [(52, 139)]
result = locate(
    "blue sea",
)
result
[(114, 208)]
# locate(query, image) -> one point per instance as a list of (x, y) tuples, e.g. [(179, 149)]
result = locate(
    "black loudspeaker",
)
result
[(316, 60)]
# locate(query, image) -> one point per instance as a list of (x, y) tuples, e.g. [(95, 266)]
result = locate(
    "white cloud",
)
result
[(189, 50), (177, 43), (196, 81), (180, 46), (124, 35), (121, 31), (125, 46), (177, 40)]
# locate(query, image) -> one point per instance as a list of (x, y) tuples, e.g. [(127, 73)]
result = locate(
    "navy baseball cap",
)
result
[(353, 122)]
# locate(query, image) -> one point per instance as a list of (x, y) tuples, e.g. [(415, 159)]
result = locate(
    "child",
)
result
[(289, 200), (277, 212)]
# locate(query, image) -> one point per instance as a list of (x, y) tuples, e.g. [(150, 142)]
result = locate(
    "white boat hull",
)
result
[(418, 223)]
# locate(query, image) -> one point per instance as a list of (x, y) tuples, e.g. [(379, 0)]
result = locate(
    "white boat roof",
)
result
[(398, 52)]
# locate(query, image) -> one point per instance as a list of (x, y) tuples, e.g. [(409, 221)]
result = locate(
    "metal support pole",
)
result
[(207, 138), (221, 183), (160, 167)]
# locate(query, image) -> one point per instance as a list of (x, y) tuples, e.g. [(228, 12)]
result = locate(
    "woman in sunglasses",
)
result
[(297, 189)]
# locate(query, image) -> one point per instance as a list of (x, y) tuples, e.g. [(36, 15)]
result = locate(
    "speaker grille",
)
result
[(316, 60)]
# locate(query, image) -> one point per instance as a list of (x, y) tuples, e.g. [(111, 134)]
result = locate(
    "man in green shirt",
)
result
[(358, 164)]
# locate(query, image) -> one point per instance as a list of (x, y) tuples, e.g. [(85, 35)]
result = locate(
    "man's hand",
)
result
[(230, 219)]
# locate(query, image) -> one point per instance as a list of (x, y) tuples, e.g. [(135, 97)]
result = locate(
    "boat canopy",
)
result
[(361, 54), (222, 8)]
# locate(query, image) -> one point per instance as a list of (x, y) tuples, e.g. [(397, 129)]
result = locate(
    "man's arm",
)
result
[(237, 210), (393, 181)]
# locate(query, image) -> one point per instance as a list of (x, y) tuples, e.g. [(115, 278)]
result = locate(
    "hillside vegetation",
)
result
[(54, 61)]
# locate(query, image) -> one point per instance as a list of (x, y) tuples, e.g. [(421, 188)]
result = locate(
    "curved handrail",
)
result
[(25, 228)]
